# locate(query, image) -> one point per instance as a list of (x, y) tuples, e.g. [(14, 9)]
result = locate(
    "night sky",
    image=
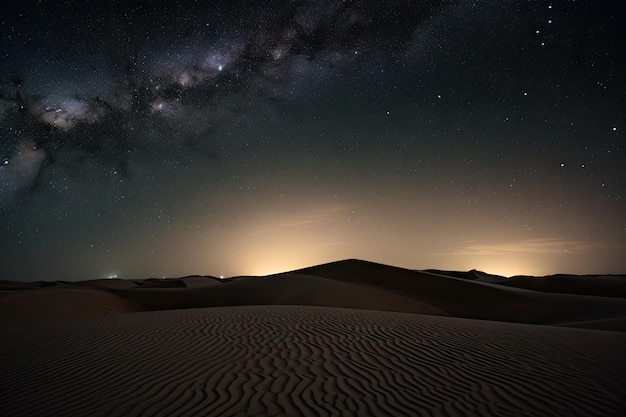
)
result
[(168, 138)]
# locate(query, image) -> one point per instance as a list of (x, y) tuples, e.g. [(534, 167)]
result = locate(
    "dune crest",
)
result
[(346, 284), (349, 338)]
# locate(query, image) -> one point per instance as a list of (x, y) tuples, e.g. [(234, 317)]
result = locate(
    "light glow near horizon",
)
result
[(423, 135), (308, 235)]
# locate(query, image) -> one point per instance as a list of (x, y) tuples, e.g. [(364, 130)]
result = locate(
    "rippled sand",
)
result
[(308, 361), (350, 338)]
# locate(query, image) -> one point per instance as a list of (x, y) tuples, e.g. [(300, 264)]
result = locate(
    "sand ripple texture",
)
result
[(307, 361)]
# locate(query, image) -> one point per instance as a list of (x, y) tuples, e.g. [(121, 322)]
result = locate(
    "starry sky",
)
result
[(152, 139)]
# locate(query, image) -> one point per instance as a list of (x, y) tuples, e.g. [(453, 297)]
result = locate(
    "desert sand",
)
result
[(349, 338)]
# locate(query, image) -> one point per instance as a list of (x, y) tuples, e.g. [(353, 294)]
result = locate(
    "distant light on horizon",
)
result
[(240, 144)]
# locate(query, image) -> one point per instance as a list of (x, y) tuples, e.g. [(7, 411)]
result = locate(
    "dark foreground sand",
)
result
[(308, 361), (410, 343)]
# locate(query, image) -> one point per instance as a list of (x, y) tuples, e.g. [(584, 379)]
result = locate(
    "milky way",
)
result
[(170, 139)]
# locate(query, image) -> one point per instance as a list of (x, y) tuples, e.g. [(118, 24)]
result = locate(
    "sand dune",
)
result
[(349, 338), (54, 303), (308, 361), (473, 299), (599, 285), (614, 324), (289, 288), (104, 283), (347, 284), (199, 281), (473, 275)]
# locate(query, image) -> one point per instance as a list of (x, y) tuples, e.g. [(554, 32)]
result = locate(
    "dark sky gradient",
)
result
[(206, 138)]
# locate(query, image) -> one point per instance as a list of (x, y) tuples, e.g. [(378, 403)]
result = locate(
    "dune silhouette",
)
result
[(344, 338)]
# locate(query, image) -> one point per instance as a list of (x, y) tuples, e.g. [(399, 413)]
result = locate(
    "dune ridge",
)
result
[(308, 361), (345, 284), (349, 338)]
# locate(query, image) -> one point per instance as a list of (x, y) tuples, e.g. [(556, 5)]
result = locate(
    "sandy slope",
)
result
[(347, 284), (600, 285), (287, 288), (307, 361), (348, 338), (54, 303), (473, 299)]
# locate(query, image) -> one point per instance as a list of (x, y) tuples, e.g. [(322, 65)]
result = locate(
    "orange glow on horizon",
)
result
[(309, 234)]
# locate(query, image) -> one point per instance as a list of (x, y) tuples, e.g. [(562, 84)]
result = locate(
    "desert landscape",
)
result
[(349, 338), (312, 161)]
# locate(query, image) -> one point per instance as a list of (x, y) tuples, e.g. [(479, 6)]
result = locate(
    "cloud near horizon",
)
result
[(538, 246)]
